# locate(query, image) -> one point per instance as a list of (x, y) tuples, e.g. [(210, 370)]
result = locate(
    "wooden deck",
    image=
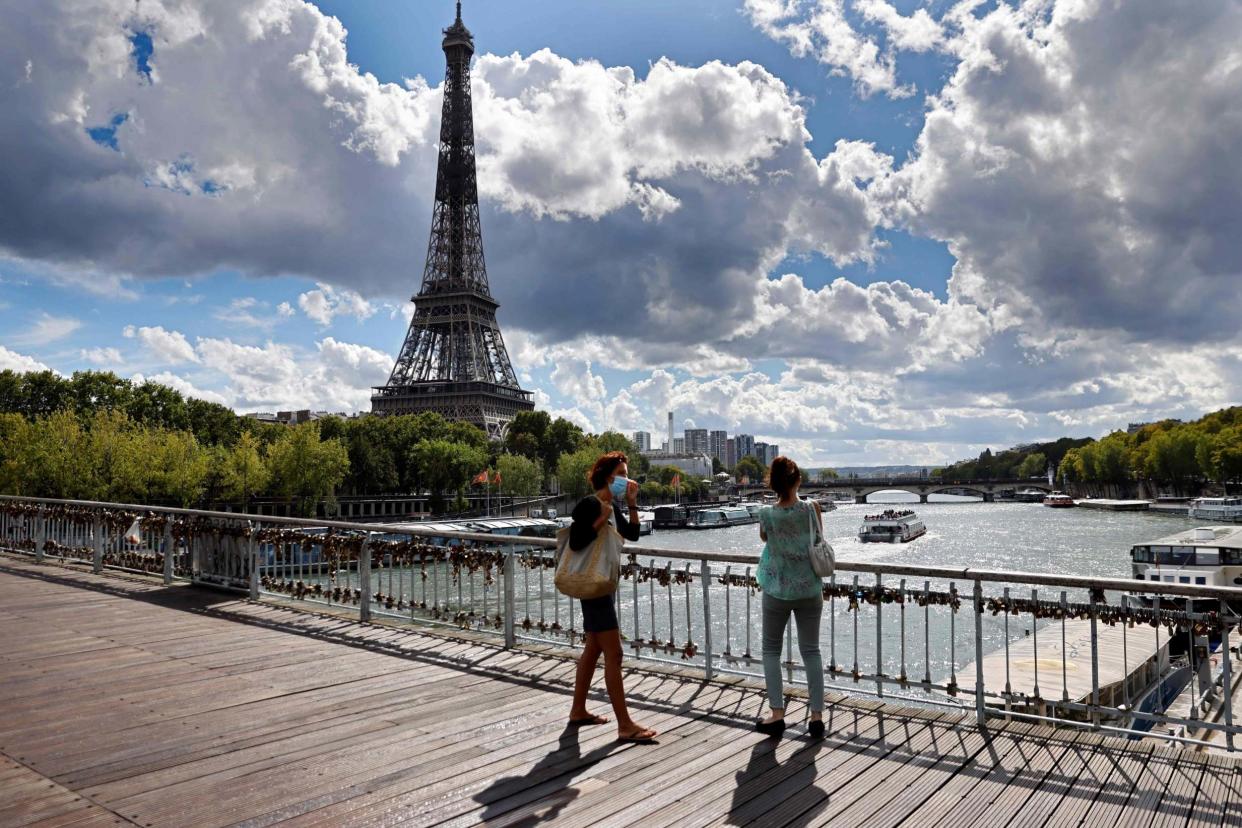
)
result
[(127, 702)]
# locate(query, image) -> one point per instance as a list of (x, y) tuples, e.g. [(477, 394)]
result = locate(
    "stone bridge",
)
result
[(860, 488)]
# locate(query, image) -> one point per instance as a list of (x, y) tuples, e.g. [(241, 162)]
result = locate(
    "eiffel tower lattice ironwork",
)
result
[(454, 360)]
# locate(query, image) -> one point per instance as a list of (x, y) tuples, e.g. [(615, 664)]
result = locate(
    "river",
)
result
[(963, 532)]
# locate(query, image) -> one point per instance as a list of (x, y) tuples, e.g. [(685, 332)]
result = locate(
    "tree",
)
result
[(118, 471), (306, 468), (1033, 465), (519, 475), (246, 469), (44, 393), (57, 458), (527, 433), (1071, 469), (1172, 457), (14, 438), (444, 465), (159, 406), (178, 466), (613, 441), (561, 437), (653, 492), (572, 470), (95, 390), (213, 424), (751, 468), (826, 475)]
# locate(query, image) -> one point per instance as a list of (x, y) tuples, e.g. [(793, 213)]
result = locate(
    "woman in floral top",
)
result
[(790, 587)]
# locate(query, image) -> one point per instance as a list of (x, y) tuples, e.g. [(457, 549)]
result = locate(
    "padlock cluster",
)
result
[(1172, 619), (60, 550)]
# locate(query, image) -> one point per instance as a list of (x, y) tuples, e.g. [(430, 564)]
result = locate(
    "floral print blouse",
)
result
[(785, 568)]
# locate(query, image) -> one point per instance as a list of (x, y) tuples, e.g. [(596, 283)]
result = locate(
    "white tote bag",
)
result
[(823, 559), (592, 572)]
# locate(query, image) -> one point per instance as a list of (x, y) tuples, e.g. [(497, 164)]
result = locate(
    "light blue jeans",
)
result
[(806, 613)]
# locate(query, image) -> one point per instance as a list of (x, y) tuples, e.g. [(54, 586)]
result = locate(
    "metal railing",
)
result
[(1127, 656)]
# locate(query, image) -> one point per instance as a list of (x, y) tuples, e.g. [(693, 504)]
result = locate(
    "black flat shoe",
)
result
[(775, 728), (816, 728)]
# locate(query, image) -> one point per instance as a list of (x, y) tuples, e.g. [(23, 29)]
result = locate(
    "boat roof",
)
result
[(1230, 536)]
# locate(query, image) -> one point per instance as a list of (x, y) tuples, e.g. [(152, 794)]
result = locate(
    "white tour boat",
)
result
[(1205, 555), (1059, 500), (1225, 509), (891, 526)]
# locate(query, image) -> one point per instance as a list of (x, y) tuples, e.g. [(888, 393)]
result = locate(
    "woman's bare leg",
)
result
[(582, 680), (627, 728)]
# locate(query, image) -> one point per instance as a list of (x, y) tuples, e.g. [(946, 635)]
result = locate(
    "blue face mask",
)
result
[(618, 487)]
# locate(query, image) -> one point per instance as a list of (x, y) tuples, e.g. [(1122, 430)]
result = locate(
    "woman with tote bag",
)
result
[(597, 532), (792, 531)]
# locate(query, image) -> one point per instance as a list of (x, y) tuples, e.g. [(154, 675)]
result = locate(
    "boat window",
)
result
[(1200, 580), (1207, 557), (1141, 554), (1168, 579), (1183, 579)]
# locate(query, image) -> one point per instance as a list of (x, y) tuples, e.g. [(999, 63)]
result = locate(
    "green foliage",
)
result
[(306, 468), (1008, 464), (14, 439), (572, 470), (245, 469), (446, 465), (690, 485), (1033, 465), (826, 475), (534, 434), (751, 468), (519, 475)]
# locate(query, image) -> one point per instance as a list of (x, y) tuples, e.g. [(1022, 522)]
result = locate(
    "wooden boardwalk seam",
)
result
[(126, 702)]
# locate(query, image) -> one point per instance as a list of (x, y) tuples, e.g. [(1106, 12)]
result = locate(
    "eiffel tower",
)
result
[(454, 360)]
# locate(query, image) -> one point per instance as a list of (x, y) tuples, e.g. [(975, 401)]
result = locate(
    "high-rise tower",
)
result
[(454, 360)]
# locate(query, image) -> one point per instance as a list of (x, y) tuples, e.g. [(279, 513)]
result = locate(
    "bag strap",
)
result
[(810, 515)]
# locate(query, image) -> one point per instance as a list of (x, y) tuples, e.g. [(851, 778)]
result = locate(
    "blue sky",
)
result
[(763, 208)]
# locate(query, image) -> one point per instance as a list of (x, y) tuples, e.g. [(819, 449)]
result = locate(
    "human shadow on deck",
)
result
[(777, 792), (546, 788), (122, 585)]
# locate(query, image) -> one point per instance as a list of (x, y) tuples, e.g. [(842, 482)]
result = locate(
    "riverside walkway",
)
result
[(128, 702)]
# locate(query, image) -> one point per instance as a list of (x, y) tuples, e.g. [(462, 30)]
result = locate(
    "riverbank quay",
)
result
[(129, 701), (1108, 505)]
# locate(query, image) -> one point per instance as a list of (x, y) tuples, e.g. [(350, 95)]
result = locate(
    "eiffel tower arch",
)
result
[(453, 360)]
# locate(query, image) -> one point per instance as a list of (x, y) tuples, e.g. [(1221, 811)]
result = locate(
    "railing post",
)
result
[(170, 552), (705, 575), (879, 635), (364, 581), (1227, 674), (981, 710), (510, 632), (40, 535), (1095, 664), (252, 553), (97, 556)]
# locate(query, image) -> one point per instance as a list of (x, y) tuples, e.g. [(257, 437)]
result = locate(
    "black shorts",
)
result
[(599, 614)]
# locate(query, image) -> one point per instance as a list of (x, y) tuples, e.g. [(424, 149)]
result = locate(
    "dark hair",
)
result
[(783, 475), (604, 467)]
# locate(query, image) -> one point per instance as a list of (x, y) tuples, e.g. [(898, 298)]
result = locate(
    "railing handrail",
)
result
[(934, 572)]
